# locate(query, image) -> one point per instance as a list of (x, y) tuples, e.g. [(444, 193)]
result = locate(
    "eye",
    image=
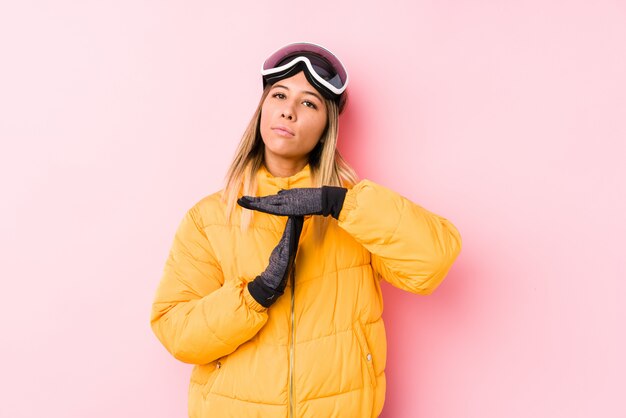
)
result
[(279, 95), (310, 104)]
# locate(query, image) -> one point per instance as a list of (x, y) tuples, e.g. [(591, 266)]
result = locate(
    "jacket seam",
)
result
[(239, 226), (393, 234), (335, 394), (331, 272), (243, 400), (340, 331), (325, 336)]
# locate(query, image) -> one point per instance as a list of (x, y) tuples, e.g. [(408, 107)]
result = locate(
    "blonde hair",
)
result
[(328, 168)]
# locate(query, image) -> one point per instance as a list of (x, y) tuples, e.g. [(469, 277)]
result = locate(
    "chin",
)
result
[(283, 154)]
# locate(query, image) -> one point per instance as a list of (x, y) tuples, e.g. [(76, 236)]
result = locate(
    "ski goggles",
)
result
[(322, 69)]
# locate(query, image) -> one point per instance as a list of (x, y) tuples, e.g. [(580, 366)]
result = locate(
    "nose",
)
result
[(288, 111)]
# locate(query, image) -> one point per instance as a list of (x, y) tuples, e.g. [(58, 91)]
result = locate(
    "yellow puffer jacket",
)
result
[(320, 350)]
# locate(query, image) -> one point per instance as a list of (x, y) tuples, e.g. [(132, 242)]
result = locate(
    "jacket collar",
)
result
[(267, 184)]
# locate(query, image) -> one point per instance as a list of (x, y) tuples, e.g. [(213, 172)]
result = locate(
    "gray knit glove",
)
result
[(269, 285), (326, 200)]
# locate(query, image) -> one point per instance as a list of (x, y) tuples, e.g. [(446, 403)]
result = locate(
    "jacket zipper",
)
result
[(292, 342)]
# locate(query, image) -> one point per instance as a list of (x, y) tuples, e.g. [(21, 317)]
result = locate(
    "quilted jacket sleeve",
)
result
[(197, 315), (411, 248)]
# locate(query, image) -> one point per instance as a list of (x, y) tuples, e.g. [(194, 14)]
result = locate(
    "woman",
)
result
[(272, 285)]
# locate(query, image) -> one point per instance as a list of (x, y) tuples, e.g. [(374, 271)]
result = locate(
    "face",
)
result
[(293, 118)]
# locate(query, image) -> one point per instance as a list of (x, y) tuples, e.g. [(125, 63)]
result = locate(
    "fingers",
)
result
[(269, 204), (280, 256), (291, 235), (253, 203), (293, 230), (245, 202), (292, 202), (289, 229), (297, 223), (285, 251)]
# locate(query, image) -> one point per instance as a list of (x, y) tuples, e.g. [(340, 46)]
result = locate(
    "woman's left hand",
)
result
[(325, 200)]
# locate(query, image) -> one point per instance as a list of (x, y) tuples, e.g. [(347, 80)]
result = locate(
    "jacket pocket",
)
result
[(366, 354), (204, 375)]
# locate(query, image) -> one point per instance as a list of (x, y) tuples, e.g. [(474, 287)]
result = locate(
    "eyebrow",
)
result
[(312, 93)]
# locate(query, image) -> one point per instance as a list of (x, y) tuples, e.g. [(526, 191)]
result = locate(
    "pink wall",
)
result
[(509, 118)]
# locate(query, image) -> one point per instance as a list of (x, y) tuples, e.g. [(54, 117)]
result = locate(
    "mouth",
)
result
[(283, 131)]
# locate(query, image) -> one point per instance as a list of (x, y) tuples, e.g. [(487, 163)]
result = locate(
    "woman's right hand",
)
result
[(325, 200), (269, 285)]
